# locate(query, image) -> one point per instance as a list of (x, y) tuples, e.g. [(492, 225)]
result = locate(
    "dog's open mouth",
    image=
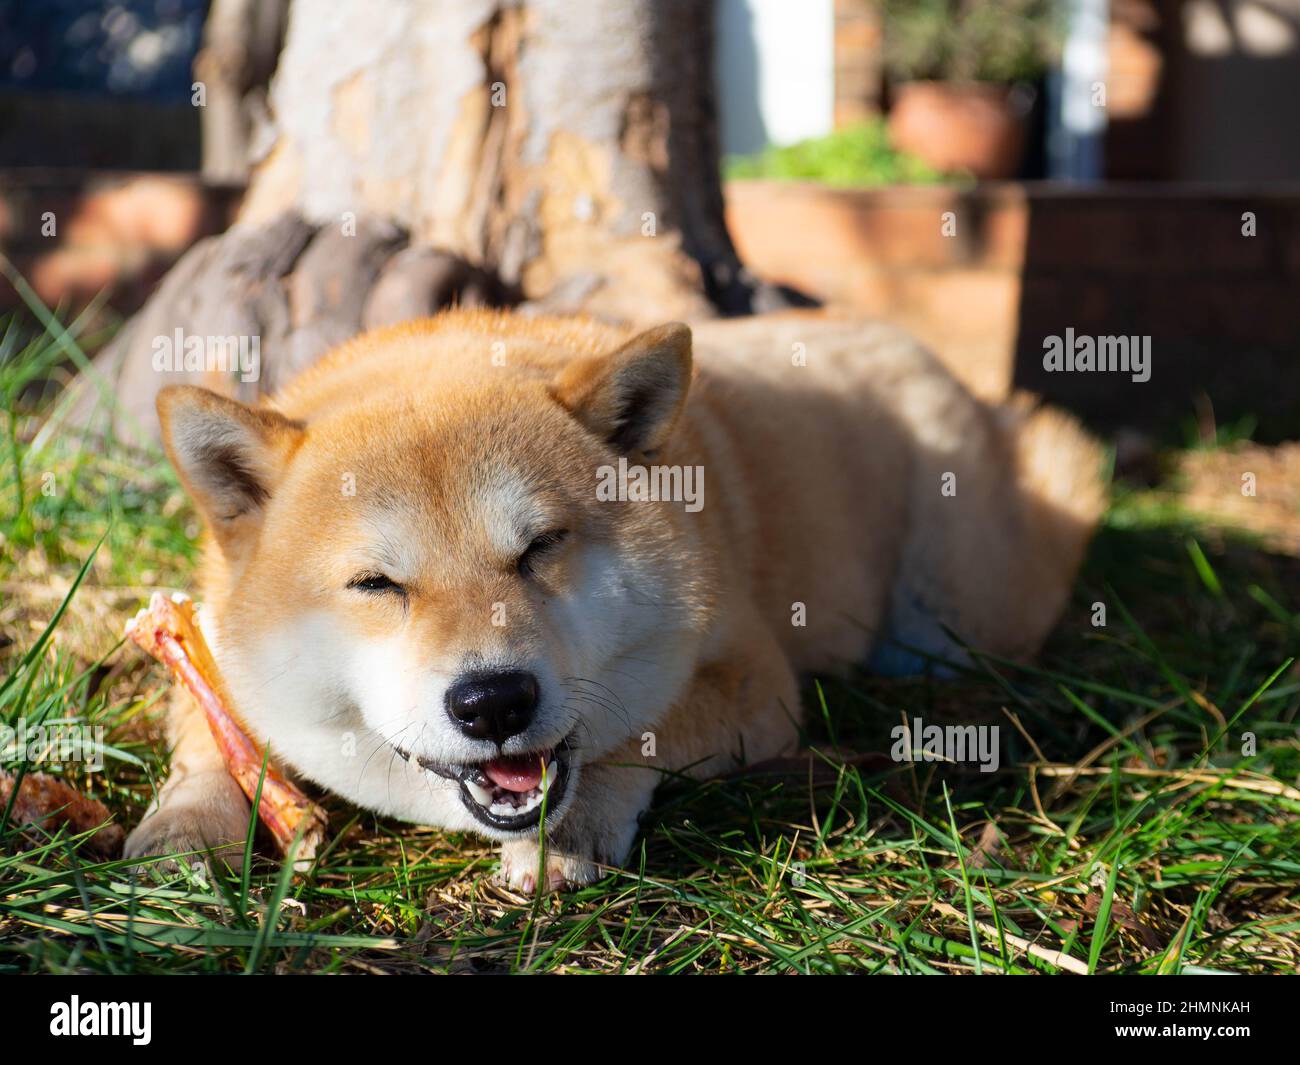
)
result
[(508, 792)]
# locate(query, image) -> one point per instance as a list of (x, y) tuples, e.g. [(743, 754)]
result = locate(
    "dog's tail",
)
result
[(1062, 490), (1059, 464)]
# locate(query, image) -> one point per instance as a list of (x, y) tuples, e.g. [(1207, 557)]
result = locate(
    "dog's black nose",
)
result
[(493, 706)]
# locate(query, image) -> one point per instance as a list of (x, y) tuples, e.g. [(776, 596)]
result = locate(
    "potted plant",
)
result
[(959, 74)]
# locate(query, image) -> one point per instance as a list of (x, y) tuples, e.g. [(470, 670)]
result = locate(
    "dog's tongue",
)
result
[(522, 773)]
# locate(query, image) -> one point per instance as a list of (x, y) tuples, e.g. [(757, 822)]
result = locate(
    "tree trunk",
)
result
[(561, 155), (241, 44)]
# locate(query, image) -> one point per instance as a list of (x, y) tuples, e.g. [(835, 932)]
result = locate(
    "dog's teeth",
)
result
[(481, 794)]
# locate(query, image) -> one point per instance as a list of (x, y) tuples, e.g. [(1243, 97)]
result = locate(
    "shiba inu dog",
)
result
[(472, 567)]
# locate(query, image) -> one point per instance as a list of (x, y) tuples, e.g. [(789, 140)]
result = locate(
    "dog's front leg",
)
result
[(200, 806)]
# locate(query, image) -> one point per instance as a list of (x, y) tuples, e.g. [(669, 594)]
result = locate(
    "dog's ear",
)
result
[(631, 397), (229, 456)]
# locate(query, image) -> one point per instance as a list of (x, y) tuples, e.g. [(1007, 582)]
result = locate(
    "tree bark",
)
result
[(560, 155)]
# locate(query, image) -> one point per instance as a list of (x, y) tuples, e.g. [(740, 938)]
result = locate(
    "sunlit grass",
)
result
[(1129, 828)]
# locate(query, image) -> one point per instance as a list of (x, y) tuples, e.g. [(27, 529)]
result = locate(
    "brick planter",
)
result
[(1029, 261), (116, 233)]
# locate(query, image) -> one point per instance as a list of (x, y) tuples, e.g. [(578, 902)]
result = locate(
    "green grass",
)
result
[(856, 156), (1126, 831)]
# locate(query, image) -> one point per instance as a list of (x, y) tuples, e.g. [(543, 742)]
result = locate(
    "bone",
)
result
[(167, 630)]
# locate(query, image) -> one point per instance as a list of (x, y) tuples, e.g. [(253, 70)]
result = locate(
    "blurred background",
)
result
[(1122, 168)]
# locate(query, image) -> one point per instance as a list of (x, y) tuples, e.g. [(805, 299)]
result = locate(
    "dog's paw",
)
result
[(582, 852), (207, 814), (519, 868)]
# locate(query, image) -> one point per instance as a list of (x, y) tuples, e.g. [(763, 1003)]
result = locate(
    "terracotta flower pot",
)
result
[(960, 126)]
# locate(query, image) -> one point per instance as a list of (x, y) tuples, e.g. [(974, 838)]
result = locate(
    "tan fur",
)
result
[(822, 481)]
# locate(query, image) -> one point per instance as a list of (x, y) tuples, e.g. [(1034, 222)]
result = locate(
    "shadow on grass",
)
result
[(1132, 744)]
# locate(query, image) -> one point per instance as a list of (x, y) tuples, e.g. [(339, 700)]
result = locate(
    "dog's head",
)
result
[(420, 598)]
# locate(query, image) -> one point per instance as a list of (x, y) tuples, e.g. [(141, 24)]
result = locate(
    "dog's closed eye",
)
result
[(375, 584), (536, 550)]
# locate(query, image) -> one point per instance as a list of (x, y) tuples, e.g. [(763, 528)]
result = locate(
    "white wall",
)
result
[(775, 65)]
